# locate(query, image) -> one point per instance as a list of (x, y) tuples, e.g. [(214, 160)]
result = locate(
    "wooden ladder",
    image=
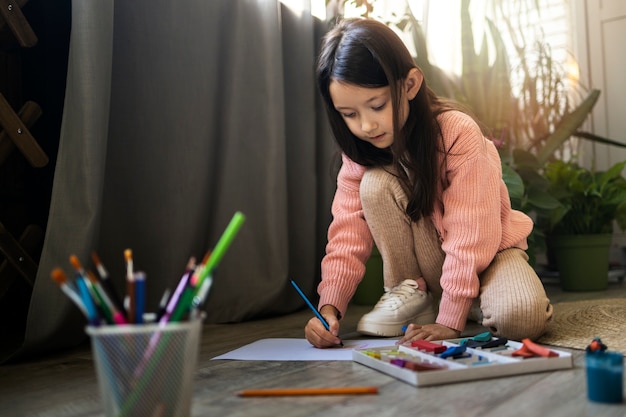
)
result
[(19, 260)]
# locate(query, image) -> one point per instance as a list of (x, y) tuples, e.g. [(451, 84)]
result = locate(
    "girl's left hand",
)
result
[(429, 332)]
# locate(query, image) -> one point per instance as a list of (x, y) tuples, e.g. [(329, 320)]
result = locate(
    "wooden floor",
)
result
[(65, 384)]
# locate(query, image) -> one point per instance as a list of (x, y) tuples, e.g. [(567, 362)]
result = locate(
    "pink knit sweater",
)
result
[(472, 215)]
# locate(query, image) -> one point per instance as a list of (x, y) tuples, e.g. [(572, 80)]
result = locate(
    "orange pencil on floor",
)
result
[(275, 392)]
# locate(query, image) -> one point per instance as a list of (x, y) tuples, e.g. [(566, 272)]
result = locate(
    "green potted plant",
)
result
[(523, 166), (580, 230)]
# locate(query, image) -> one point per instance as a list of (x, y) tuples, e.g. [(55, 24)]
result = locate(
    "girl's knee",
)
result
[(374, 182), (527, 321)]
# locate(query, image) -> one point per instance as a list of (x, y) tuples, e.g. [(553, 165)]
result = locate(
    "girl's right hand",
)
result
[(316, 333)]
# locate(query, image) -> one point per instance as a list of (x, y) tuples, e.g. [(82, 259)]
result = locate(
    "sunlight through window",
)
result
[(441, 23), (318, 9), (294, 5)]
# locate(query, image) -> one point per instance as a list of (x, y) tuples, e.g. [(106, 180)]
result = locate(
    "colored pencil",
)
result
[(92, 313), (183, 304), (274, 392), (201, 294), (162, 304), (105, 304), (220, 249), (107, 284), (193, 282), (117, 315), (178, 291), (93, 297), (222, 245), (59, 276), (310, 304), (195, 276), (77, 265), (312, 307), (130, 285)]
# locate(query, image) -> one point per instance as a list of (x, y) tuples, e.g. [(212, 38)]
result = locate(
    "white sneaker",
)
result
[(398, 307)]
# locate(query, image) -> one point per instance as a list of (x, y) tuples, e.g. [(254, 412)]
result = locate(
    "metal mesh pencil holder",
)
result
[(146, 370)]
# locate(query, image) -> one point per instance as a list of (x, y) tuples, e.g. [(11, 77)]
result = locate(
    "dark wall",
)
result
[(44, 76)]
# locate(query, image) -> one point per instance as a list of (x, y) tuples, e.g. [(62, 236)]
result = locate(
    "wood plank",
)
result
[(20, 4), (18, 132), (28, 114), (12, 14), (17, 256), (30, 241)]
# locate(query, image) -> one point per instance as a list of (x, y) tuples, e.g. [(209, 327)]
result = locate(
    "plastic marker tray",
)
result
[(476, 364)]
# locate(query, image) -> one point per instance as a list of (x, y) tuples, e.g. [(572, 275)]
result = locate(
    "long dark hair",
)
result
[(367, 53)]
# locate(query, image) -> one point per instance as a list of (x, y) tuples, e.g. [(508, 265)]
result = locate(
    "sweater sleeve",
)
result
[(349, 241), (470, 216)]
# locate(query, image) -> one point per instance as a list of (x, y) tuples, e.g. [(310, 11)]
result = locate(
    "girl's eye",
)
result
[(348, 115), (379, 108)]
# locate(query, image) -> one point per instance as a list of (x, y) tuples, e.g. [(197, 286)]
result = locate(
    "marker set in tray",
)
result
[(423, 363)]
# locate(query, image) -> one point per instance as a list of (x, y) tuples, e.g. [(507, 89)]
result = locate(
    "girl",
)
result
[(420, 181)]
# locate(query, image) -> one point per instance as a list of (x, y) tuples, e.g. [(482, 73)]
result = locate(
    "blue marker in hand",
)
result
[(311, 306)]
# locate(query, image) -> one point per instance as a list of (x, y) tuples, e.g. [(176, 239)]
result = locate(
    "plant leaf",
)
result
[(570, 123), (599, 139)]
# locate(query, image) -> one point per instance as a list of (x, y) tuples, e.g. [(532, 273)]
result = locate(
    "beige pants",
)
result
[(511, 303)]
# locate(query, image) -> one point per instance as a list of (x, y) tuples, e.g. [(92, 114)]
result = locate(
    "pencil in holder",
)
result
[(146, 370)]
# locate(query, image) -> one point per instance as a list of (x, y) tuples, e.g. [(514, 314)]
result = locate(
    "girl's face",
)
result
[(368, 112)]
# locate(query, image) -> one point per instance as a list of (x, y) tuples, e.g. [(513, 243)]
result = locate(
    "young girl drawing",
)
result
[(418, 179)]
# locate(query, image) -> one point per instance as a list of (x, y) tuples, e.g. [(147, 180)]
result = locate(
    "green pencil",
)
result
[(216, 256)]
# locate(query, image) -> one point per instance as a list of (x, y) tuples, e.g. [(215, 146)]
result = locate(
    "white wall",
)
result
[(602, 57)]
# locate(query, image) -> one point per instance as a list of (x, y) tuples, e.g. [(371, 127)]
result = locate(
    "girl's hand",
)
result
[(428, 332), (316, 333)]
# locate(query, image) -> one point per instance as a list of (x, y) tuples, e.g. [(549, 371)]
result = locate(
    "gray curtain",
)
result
[(177, 115)]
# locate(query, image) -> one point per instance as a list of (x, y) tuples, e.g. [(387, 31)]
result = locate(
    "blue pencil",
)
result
[(92, 313), (313, 309)]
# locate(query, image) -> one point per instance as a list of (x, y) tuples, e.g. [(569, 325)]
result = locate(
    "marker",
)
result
[(140, 296), (312, 307), (273, 392)]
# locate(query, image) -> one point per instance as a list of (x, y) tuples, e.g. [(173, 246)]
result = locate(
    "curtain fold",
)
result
[(177, 115)]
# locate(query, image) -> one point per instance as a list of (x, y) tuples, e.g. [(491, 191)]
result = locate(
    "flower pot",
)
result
[(582, 261)]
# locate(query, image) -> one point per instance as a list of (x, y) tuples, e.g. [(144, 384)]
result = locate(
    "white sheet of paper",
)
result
[(277, 349)]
